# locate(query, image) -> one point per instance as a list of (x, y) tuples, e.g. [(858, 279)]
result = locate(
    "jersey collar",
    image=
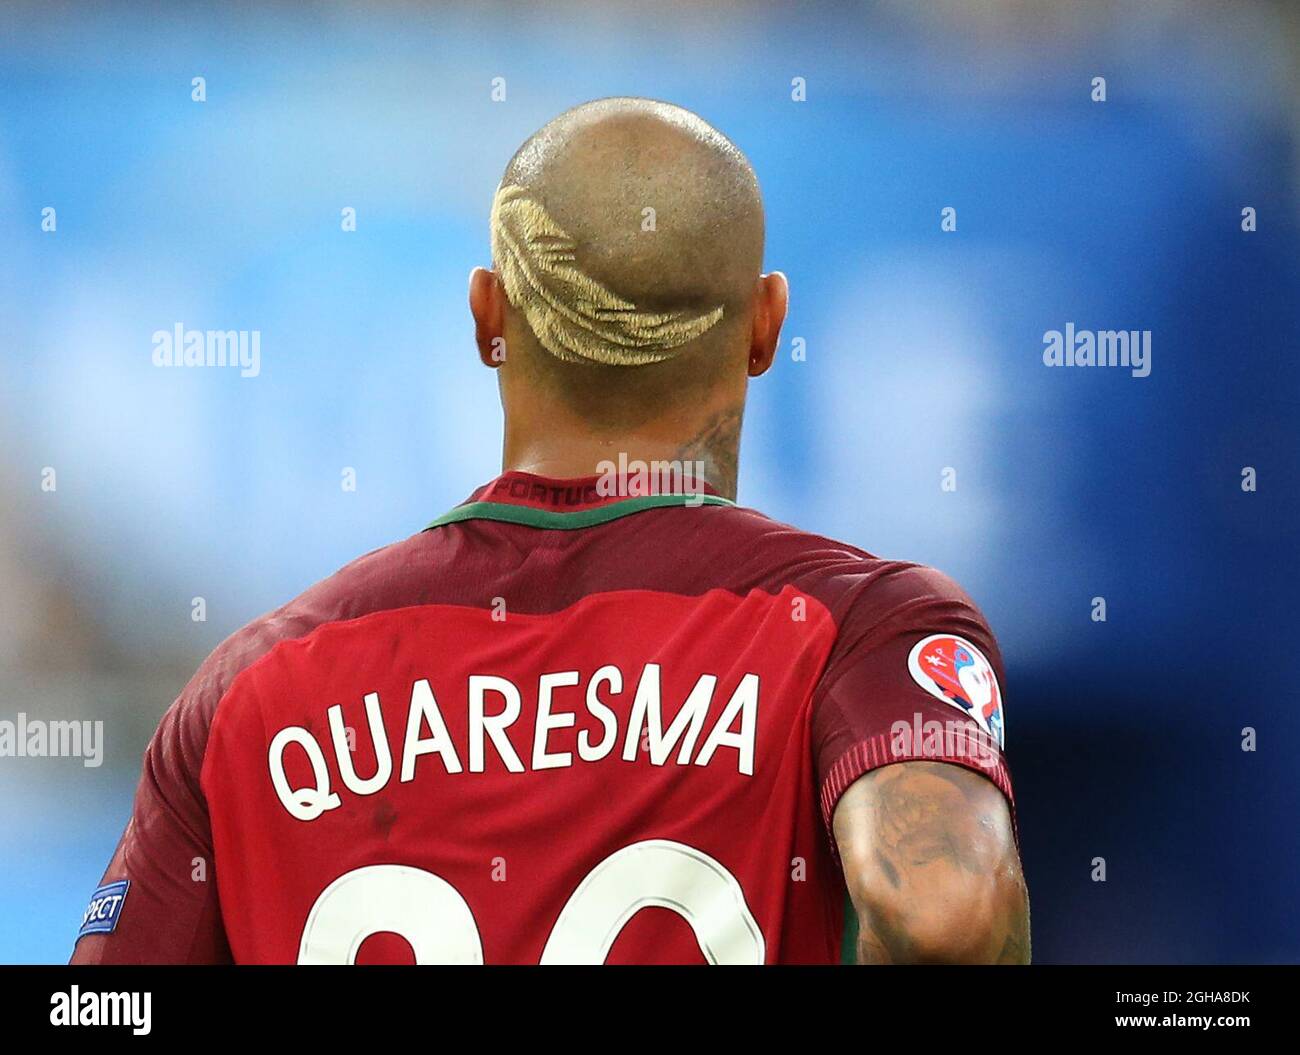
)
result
[(567, 504)]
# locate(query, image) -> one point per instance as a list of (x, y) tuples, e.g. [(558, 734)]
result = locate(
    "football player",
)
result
[(599, 712)]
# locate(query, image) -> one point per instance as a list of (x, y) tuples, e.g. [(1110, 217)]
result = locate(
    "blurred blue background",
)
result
[(924, 351)]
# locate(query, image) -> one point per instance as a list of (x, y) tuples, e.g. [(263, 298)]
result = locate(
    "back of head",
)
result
[(628, 235)]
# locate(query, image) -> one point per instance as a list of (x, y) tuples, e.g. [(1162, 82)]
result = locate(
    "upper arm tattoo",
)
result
[(932, 866)]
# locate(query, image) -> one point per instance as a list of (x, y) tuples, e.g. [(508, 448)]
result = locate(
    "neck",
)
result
[(713, 441)]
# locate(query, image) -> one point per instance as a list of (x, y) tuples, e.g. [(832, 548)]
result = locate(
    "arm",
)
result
[(169, 912), (932, 867)]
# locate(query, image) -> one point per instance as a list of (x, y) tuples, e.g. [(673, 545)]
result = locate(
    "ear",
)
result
[(771, 298), (487, 304)]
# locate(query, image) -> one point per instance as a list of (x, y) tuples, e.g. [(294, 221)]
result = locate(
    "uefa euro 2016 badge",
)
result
[(105, 908), (951, 669)]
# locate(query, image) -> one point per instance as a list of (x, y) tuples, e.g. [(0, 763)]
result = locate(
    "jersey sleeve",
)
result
[(915, 674), (157, 902)]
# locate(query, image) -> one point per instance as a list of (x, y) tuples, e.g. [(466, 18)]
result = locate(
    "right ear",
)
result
[(771, 298), (487, 301)]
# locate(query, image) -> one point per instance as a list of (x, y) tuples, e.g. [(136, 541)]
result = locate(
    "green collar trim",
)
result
[(578, 518)]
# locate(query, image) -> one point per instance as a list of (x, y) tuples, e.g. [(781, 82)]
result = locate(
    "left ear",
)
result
[(771, 299), (487, 305)]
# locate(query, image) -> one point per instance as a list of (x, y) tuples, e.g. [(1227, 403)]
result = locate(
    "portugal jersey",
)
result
[(557, 726)]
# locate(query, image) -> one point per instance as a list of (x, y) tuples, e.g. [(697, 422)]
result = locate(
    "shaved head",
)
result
[(626, 311), (628, 236)]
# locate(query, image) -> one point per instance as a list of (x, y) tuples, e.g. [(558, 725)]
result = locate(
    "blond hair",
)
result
[(574, 317)]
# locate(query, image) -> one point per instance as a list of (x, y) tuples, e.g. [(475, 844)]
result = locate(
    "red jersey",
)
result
[(556, 726)]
